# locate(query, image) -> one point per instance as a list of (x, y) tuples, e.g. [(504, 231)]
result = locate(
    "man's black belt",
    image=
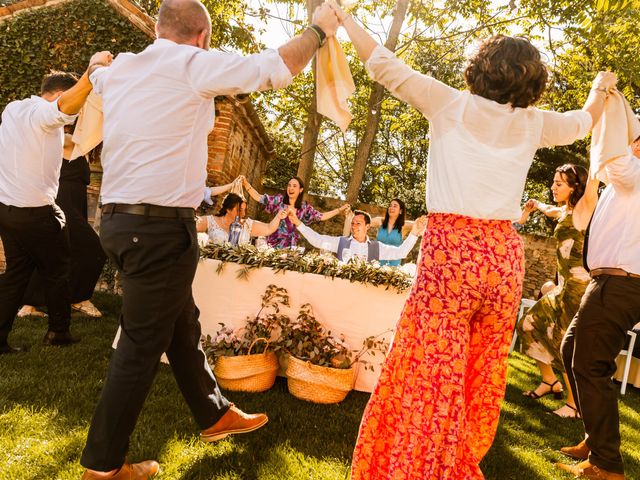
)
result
[(616, 272), (148, 210)]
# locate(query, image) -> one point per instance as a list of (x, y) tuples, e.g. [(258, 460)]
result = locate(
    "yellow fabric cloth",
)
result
[(617, 128), (88, 132), (334, 84)]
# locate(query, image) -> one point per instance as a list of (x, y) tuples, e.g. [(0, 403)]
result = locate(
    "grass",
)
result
[(48, 394)]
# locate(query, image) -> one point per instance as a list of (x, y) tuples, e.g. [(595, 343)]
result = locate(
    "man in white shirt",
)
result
[(610, 307), (31, 224), (359, 243), (158, 111)]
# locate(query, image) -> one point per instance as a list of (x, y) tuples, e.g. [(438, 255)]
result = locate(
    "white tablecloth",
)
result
[(353, 309)]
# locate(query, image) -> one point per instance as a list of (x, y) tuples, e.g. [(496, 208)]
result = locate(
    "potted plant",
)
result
[(245, 360), (320, 367)]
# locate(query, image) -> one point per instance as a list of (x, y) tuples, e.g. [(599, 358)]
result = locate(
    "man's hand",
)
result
[(282, 214), (325, 17), (530, 206), (100, 59), (419, 226), (346, 208), (291, 212)]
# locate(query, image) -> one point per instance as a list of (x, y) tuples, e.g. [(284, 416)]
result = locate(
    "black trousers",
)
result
[(35, 238), (157, 259), (87, 257), (610, 307)]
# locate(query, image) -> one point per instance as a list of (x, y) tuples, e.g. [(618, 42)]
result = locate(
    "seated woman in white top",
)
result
[(217, 226), (436, 406)]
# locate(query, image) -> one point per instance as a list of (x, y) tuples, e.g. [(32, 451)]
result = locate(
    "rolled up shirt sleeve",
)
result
[(391, 252), (564, 128), (624, 173), (327, 242), (215, 73), (426, 94), (97, 79), (47, 116)]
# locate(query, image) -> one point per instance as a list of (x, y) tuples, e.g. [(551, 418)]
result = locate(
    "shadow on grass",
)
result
[(56, 389)]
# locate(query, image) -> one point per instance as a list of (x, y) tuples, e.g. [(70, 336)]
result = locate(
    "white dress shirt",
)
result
[(479, 150), (31, 145), (614, 235), (158, 112), (330, 243)]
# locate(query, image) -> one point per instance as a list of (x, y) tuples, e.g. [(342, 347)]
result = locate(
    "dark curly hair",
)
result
[(576, 177), (229, 203), (507, 70)]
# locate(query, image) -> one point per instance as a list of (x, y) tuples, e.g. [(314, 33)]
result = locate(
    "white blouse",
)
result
[(218, 235), (479, 150)]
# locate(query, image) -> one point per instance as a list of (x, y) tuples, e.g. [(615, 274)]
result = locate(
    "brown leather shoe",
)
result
[(234, 421), (587, 470), (129, 471), (579, 452)]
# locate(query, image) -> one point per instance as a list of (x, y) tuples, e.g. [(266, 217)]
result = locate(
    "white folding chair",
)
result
[(525, 304), (627, 364)]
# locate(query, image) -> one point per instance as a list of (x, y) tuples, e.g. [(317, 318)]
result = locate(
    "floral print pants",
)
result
[(435, 410)]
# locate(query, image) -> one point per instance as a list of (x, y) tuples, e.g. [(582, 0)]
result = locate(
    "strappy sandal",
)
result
[(574, 412), (556, 394)]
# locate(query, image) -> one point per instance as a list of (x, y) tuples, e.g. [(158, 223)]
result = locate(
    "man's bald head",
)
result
[(184, 21)]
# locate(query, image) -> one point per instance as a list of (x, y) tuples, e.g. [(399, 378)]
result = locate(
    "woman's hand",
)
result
[(340, 13), (605, 81)]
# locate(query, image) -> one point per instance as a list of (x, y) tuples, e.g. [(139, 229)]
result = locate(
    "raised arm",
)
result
[(529, 207), (601, 86), (362, 41), (314, 238), (71, 101), (585, 207), (549, 210), (297, 52), (334, 212), (391, 252), (260, 229), (253, 193)]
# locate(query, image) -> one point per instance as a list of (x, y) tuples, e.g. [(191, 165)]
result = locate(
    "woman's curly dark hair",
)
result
[(507, 70), (576, 177)]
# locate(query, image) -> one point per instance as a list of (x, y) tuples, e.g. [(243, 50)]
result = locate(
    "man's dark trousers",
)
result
[(157, 259), (35, 238), (610, 307)]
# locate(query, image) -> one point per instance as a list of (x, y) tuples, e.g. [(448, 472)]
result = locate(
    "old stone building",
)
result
[(239, 143)]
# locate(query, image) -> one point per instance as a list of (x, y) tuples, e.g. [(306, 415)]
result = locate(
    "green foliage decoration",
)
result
[(321, 264), (61, 37)]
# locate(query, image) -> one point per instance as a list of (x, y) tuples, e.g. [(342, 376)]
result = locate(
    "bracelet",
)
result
[(319, 33)]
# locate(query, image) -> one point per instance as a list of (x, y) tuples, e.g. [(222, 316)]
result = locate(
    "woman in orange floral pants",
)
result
[(435, 409)]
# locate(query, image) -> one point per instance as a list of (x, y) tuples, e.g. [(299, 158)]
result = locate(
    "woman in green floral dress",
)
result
[(542, 328)]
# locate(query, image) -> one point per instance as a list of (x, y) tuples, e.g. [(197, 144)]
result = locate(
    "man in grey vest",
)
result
[(359, 244)]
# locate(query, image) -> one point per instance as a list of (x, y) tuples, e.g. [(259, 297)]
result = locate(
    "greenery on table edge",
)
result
[(295, 261)]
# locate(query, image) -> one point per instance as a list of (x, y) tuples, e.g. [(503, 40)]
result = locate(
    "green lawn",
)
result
[(47, 397)]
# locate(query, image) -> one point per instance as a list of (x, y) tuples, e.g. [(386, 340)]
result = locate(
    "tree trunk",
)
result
[(373, 112), (314, 121)]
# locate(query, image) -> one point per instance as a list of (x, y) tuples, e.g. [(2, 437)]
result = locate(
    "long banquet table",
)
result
[(354, 309)]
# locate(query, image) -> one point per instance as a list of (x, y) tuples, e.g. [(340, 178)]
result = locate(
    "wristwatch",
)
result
[(322, 37)]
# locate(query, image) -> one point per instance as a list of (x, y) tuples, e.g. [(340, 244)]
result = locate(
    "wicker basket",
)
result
[(247, 373), (318, 384)]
